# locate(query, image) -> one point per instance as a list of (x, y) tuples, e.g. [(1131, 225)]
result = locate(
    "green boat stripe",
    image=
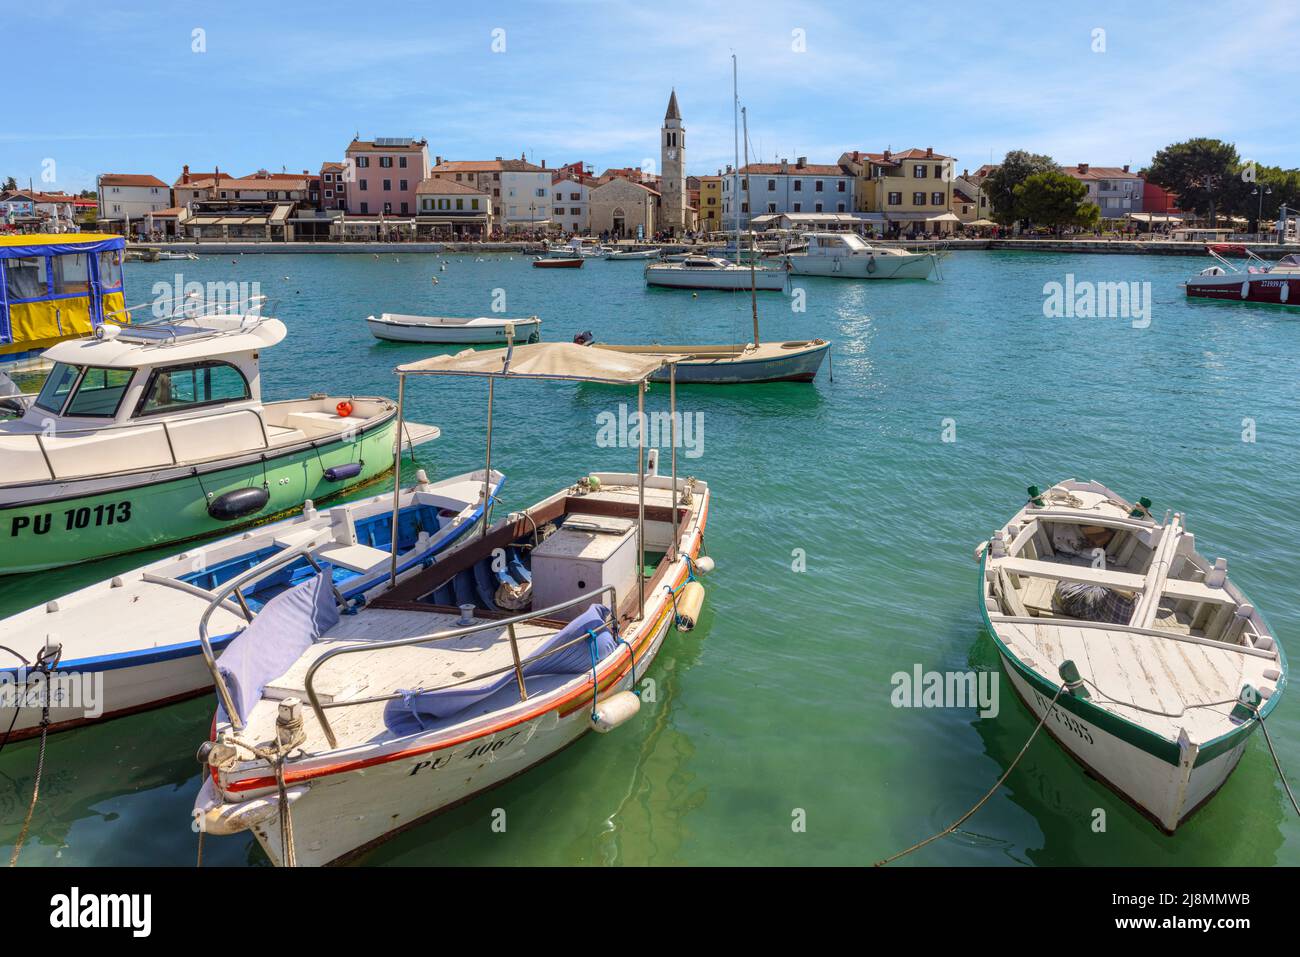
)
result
[(1121, 728), (214, 468)]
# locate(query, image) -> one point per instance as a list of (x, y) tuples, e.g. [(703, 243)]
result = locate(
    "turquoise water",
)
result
[(780, 701)]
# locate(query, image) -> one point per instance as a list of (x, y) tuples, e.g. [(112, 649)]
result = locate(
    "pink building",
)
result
[(383, 175)]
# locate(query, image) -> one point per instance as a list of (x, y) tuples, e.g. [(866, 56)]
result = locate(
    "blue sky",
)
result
[(117, 87)]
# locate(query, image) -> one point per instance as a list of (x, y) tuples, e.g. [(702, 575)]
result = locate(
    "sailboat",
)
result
[(714, 272), (734, 364)]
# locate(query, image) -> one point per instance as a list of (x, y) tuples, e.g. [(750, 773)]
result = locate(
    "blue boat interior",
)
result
[(374, 530)]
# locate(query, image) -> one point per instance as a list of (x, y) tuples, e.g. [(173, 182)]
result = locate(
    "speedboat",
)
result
[(1142, 659), (157, 433), (130, 642), (396, 327), (709, 272), (615, 256), (1258, 280), (339, 727), (848, 256)]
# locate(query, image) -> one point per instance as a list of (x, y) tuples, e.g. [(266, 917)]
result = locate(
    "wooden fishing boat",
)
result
[(452, 330), (464, 674), (569, 262), (149, 434), (130, 642), (1165, 665), (743, 364)]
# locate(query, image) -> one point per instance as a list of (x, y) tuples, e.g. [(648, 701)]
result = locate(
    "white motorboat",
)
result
[(337, 731), (616, 256), (395, 327), (848, 256), (130, 642), (149, 434), (1159, 666), (707, 272)]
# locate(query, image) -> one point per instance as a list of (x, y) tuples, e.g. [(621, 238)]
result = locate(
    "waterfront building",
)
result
[(969, 202), (1116, 190), (334, 186), (571, 201), (908, 192), (383, 174), (126, 198), (623, 209), (710, 204), (672, 167), (520, 190), (451, 210), (769, 189), (43, 212)]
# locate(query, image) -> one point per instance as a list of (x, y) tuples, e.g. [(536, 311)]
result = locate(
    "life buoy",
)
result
[(344, 409)]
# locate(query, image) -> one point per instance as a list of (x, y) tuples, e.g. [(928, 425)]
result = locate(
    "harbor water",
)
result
[(844, 518)]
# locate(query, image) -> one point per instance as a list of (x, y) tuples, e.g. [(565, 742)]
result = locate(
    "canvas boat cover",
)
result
[(543, 360)]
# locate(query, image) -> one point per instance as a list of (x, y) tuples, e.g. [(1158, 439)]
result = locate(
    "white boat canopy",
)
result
[(543, 360), (129, 347)]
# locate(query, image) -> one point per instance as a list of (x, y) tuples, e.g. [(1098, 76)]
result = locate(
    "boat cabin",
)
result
[(837, 244), (57, 287)]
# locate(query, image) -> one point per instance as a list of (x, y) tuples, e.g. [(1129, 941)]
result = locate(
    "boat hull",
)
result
[(863, 267), (800, 366), (764, 280), (86, 519), (1276, 290), (558, 263), (1165, 793), (526, 330)]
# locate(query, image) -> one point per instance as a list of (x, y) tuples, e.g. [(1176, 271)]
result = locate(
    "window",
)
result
[(363, 162), (362, 184), (798, 185), (460, 204), (110, 269), (401, 162), (919, 171), (744, 207), (100, 392), (385, 162), (798, 207), (329, 194), (473, 204), (918, 199), (406, 208), (839, 186), (895, 199), (426, 204), (839, 208), (817, 208), (388, 208), (771, 207), (936, 199), (203, 383), (57, 386), (817, 186), (26, 278), (365, 208), (541, 193), (575, 197), (771, 186), (388, 185), (71, 273), (329, 177), (938, 172)]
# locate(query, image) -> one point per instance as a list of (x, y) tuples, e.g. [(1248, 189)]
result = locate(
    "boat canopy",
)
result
[(55, 287), (543, 360)]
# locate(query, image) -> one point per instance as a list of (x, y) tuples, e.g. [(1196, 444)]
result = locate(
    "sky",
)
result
[(145, 87)]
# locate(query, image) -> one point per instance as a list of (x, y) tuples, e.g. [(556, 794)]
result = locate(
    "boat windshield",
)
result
[(55, 391)]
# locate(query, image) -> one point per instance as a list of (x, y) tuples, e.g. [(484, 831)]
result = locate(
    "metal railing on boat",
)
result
[(449, 634)]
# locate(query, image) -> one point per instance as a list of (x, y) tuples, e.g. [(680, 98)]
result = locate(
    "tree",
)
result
[(1053, 199), (10, 185), (1204, 173), (1000, 185)]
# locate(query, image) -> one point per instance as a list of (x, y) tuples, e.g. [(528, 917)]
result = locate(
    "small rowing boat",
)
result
[(1159, 666), (130, 642), (633, 254), (569, 262), (742, 364), (395, 327)]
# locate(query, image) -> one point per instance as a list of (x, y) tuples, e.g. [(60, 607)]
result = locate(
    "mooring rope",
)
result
[(993, 790), (43, 664), (1276, 762)]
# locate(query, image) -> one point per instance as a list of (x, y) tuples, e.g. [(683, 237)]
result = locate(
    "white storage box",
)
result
[(588, 552)]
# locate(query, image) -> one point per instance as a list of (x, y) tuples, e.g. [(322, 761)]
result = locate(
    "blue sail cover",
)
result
[(574, 660)]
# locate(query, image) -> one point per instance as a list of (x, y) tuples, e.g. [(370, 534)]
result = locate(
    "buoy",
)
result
[(593, 483), (239, 503), (689, 602), (704, 564), (617, 709), (344, 409)]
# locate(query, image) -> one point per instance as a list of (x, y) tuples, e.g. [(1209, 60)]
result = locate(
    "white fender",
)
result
[(617, 709)]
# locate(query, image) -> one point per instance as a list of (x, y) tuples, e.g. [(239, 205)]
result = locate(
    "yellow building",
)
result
[(711, 204), (908, 192)]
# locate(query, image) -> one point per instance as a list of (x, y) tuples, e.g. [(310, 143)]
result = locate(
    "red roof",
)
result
[(130, 179), (445, 187), (810, 169), (487, 166), (1097, 172)]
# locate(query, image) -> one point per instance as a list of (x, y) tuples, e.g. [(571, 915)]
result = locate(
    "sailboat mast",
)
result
[(735, 136), (753, 246)]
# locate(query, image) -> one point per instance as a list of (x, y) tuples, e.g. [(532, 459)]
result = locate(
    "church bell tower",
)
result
[(672, 165)]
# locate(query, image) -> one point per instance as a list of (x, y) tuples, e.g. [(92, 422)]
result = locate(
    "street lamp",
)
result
[(1259, 209)]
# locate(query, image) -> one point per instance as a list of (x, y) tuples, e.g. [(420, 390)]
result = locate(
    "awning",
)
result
[(57, 245), (981, 223), (1156, 217), (923, 217), (543, 360)]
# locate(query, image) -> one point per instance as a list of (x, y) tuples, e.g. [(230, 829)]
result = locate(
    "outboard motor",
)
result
[(584, 338)]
